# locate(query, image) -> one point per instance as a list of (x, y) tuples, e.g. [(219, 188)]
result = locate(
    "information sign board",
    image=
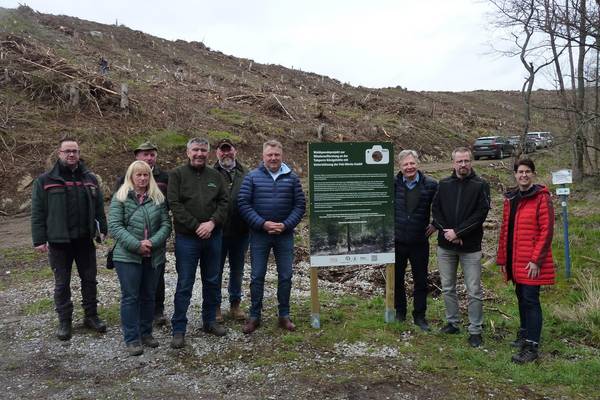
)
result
[(351, 196)]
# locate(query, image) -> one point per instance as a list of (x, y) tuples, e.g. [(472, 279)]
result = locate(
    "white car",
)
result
[(542, 139)]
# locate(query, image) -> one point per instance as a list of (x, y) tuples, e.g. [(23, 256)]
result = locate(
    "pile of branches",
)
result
[(49, 78)]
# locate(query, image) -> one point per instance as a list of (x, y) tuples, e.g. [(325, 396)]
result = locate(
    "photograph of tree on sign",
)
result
[(351, 203)]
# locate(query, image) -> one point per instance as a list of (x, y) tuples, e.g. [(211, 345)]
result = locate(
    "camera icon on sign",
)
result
[(377, 155)]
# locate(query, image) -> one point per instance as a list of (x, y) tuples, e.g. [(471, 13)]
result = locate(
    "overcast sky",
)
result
[(437, 45)]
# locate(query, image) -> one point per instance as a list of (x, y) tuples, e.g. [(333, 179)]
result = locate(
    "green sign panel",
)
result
[(351, 203)]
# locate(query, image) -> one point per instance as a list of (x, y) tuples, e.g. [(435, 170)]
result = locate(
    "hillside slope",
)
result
[(181, 89)]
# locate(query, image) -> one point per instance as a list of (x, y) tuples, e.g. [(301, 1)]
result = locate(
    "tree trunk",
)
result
[(579, 143)]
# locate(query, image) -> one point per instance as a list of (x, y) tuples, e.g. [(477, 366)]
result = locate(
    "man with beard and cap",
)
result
[(235, 230), (459, 209), (67, 212), (148, 152), (198, 199), (271, 200)]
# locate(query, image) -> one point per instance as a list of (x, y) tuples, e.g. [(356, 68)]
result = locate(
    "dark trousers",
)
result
[(159, 301), (61, 257), (530, 311), (235, 248), (418, 255)]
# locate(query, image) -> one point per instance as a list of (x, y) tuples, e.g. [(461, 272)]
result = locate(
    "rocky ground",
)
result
[(90, 365)]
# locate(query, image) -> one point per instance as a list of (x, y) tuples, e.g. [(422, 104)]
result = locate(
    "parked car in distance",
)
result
[(529, 144), (492, 147), (542, 139)]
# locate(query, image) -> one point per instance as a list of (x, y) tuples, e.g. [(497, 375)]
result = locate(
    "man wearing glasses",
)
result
[(67, 212), (459, 209)]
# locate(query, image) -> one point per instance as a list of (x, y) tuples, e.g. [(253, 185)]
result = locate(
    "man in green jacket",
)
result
[(235, 231), (67, 212), (198, 199)]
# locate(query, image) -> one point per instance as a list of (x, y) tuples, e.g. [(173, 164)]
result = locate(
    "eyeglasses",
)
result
[(463, 162), (69, 151)]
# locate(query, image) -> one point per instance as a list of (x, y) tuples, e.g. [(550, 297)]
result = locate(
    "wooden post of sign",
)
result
[(390, 314), (315, 317)]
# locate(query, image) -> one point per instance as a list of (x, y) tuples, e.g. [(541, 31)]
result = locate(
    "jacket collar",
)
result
[(284, 168), (55, 171), (238, 166), (533, 191), (466, 178)]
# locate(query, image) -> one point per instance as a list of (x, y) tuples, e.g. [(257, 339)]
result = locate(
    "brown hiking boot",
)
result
[(214, 328), (287, 324), (219, 315), (251, 325), (236, 311)]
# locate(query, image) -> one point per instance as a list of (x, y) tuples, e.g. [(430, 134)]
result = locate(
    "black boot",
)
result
[(64, 329), (528, 353), (520, 340), (94, 323)]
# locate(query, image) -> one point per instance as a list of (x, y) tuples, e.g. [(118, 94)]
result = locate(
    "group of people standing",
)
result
[(457, 207), (217, 212), (220, 211)]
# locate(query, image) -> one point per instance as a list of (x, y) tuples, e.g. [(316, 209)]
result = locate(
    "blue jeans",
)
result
[(235, 247), (138, 290), (261, 244), (530, 311), (471, 266), (188, 251)]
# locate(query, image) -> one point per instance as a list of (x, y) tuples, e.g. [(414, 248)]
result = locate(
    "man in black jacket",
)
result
[(414, 193), (148, 152), (459, 210), (67, 212), (235, 229)]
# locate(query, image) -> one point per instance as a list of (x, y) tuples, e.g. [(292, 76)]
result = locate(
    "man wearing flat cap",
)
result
[(148, 152), (235, 229)]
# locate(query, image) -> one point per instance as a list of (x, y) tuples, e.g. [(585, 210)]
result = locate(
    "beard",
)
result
[(227, 162)]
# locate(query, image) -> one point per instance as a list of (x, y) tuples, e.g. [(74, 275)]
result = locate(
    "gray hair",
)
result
[(272, 143), (198, 140), (462, 150), (405, 153)]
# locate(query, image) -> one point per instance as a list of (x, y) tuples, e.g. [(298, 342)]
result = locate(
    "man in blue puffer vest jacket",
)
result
[(414, 192), (272, 202)]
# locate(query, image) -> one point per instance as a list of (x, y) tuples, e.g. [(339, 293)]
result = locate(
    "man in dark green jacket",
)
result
[(235, 231), (67, 212), (198, 199)]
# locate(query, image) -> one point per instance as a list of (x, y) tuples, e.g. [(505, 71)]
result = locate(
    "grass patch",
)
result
[(38, 307), (349, 114), (215, 136), (228, 116), (111, 313), (25, 255), (163, 139)]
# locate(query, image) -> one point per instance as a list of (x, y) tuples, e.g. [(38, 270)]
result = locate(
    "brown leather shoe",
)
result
[(236, 311), (251, 325), (219, 315), (287, 324)]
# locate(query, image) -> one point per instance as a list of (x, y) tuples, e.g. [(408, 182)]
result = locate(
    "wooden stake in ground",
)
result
[(390, 314), (124, 95), (315, 308)]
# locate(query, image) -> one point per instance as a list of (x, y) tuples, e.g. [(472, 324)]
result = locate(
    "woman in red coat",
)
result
[(525, 253)]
